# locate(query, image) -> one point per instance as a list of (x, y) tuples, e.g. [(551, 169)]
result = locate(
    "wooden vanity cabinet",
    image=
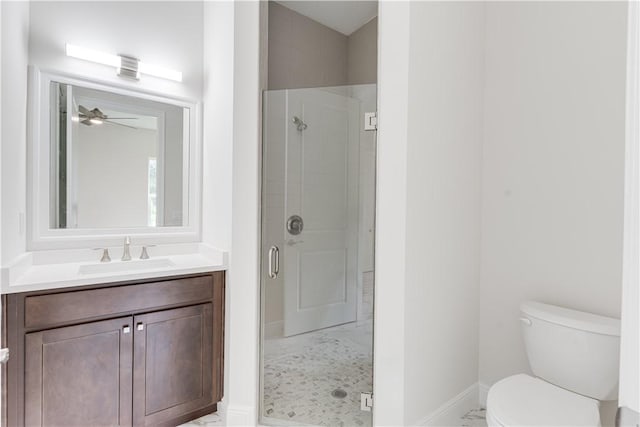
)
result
[(126, 354), (79, 375), (172, 364)]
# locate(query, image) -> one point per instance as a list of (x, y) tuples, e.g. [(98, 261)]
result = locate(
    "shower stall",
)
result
[(317, 255)]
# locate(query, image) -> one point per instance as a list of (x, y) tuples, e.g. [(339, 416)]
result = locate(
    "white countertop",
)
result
[(59, 269)]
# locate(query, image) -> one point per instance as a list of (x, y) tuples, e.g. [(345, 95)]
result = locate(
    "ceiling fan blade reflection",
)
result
[(119, 124), (97, 113)]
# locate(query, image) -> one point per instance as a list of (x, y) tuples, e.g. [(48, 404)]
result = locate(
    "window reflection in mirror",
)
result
[(117, 161)]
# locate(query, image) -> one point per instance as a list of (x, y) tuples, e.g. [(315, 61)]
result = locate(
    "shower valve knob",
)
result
[(295, 225)]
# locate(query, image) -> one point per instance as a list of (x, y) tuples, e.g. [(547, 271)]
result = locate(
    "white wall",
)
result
[(629, 395), (443, 203), (218, 123), (217, 138), (428, 228), (109, 158), (391, 210), (553, 165), (242, 327), (171, 36), (15, 45)]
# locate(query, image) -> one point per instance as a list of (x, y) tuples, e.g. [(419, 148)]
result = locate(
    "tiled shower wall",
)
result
[(274, 199)]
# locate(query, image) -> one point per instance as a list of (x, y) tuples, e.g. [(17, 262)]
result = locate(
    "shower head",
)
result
[(300, 125)]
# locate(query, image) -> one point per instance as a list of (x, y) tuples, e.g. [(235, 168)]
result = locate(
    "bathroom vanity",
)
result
[(113, 308), (146, 352)]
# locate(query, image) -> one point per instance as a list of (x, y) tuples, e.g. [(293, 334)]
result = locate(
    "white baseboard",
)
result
[(222, 409), (274, 329), (450, 413), (242, 416), (483, 391)]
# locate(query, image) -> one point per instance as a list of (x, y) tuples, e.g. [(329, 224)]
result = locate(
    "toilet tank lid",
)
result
[(572, 318)]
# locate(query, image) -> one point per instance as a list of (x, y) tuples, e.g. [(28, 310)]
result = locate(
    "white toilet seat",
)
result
[(522, 400)]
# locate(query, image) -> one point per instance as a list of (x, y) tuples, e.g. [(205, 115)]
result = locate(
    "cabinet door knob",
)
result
[(126, 329), (140, 326)]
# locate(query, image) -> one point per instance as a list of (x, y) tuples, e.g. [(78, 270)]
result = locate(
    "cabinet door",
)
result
[(173, 373), (79, 375)]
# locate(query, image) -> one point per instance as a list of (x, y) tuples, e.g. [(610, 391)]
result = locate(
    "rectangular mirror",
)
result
[(117, 160), (110, 160)]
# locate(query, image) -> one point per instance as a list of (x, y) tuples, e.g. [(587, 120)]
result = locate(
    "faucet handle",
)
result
[(126, 255), (144, 254), (105, 254)]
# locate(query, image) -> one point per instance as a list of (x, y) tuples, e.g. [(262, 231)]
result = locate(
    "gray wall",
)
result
[(362, 51), (304, 53)]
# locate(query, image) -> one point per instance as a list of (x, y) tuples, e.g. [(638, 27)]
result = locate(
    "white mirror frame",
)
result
[(40, 235)]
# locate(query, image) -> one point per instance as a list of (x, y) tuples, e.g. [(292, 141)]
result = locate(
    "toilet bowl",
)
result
[(574, 357)]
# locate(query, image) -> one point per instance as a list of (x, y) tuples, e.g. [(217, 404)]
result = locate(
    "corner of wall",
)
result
[(389, 319), (218, 77), (15, 45), (630, 321), (483, 392), (452, 411), (243, 274)]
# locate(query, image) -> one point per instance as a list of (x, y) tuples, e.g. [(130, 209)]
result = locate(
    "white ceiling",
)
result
[(342, 16)]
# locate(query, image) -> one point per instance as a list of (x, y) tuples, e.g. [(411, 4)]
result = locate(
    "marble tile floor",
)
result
[(302, 371), (211, 420), (316, 378), (473, 418)]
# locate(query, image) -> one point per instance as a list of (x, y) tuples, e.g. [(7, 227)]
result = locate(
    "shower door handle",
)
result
[(274, 262)]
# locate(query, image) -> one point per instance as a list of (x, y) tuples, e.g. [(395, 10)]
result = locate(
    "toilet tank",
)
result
[(572, 349)]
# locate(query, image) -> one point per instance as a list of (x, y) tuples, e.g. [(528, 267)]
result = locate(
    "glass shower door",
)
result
[(317, 288)]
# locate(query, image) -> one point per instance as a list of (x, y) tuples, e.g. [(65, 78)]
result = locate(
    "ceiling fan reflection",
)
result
[(96, 117)]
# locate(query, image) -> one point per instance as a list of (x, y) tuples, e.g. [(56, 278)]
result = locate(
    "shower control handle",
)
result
[(295, 225), (274, 262)]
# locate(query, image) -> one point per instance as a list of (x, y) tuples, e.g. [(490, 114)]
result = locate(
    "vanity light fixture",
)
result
[(127, 66)]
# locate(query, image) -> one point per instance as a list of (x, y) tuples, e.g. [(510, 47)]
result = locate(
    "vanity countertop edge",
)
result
[(36, 272)]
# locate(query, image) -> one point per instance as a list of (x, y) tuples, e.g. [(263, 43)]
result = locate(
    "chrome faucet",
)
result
[(126, 255)]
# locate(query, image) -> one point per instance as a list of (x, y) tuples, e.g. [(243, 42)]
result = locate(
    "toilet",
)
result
[(574, 357)]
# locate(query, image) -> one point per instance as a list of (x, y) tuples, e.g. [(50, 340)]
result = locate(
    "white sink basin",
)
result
[(125, 266)]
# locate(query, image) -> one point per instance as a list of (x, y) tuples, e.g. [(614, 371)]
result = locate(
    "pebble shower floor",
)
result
[(306, 377)]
